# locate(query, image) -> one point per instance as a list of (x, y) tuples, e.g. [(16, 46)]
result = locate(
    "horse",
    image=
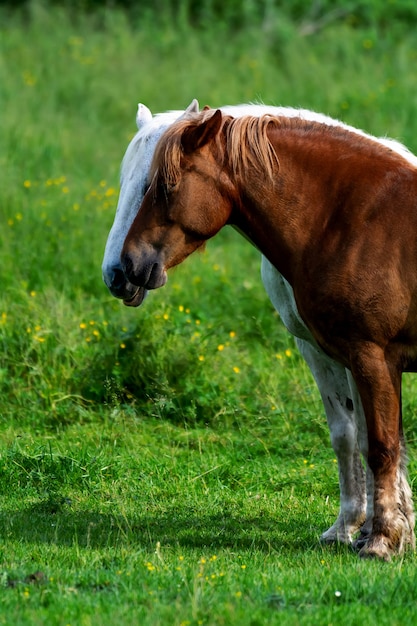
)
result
[(339, 395), (335, 212), (340, 398)]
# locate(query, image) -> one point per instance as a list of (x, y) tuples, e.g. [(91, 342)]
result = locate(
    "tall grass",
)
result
[(169, 465)]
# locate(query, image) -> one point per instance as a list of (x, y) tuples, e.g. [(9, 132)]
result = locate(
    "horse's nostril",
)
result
[(118, 278)]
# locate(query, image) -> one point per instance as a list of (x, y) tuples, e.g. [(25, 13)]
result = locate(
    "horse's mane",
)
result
[(243, 141), (246, 143)]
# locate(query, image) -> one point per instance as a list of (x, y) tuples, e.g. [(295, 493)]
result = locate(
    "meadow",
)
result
[(171, 464)]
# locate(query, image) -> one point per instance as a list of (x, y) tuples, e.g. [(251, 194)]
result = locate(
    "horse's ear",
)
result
[(193, 107), (143, 116), (206, 107), (196, 137), (190, 110)]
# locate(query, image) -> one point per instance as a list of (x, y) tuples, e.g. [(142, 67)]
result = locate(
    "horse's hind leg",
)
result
[(366, 527), (379, 383), (343, 409), (340, 407)]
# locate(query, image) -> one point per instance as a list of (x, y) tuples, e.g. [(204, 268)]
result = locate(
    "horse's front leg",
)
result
[(344, 416), (379, 383)]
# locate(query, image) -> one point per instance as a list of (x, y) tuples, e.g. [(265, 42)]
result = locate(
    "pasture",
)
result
[(171, 464)]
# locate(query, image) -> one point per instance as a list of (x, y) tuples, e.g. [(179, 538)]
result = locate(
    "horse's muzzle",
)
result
[(119, 287), (145, 271)]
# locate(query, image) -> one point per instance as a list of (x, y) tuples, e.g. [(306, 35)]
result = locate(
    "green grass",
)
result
[(168, 465)]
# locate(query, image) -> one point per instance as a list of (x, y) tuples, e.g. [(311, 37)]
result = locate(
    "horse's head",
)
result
[(134, 182), (187, 203)]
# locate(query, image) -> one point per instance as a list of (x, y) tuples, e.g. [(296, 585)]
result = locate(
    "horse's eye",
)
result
[(145, 188)]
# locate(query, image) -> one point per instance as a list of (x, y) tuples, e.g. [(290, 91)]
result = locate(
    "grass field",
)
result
[(169, 465)]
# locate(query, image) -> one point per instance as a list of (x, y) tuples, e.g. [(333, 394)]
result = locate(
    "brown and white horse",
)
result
[(336, 213)]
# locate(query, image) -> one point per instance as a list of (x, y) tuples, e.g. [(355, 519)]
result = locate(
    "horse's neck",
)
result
[(275, 214), (259, 220)]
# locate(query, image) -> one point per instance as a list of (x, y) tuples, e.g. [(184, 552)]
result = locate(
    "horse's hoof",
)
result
[(329, 537), (338, 533), (374, 555), (332, 540), (375, 548)]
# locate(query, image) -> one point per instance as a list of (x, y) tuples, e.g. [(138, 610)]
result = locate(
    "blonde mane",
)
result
[(245, 144)]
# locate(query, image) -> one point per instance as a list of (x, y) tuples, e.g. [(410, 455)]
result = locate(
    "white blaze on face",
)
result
[(133, 183), (134, 180)]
